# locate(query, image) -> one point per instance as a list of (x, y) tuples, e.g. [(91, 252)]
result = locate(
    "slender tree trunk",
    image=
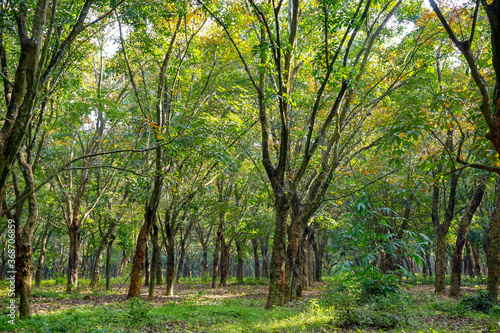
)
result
[(215, 265), (96, 267), (428, 260), (255, 246), (468, 260), (154, 265), (311, 242), (224, 261), (180, 265), (265, 258), (108, 262), (463, 229), (146, 266), (157, 254), (170, 262), (41, 259), (239, 255), (204, 263), (124, 262), (477, 260)]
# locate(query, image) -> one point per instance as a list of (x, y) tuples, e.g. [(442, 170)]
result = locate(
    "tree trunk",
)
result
[(494, 250), (108, 262), (292, 267), (224, 261), (154, 265), (204, 263), (180, 265), (239, 255), (255, 246), (157, 255), (310, 256), (440, 283), (2, 267), (41, 259), (124, 262), (276, 294), (96, 267), (170, 262), (477, 261), (468, 260), (215, 265), (463, 229), (265, 259), (146, 266), (74, 244)]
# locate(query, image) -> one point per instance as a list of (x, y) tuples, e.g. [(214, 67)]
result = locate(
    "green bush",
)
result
[(367, 298), (482, 302), (139, 309)]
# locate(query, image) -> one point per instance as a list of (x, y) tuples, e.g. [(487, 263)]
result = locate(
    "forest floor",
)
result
[(240, 308)]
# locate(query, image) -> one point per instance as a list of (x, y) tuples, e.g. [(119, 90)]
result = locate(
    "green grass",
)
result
[(190, 315), (237, 308)]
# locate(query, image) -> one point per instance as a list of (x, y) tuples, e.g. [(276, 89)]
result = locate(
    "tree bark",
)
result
[(277, 272), (255, 246), (146, 266), (494, 251), (74, 245), (463, 228), (477, 261), (41, 259), (108, 262), (224, 261), (170, 262), (239, 255)]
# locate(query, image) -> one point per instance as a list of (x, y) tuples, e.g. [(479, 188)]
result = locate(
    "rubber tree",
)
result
[(297, 189), (489, 108), (463, 228)]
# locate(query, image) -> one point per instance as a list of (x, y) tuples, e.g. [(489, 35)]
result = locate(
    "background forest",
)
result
[(185, 165)]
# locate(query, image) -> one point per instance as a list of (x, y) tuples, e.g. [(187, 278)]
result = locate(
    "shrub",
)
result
[(482, 301)]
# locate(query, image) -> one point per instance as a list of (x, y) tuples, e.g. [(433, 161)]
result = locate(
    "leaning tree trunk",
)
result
[(463, 228), (41, 259), (255, 246), (142, 239)]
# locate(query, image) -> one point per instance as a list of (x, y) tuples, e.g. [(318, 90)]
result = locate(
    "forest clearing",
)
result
[(250, 165)]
